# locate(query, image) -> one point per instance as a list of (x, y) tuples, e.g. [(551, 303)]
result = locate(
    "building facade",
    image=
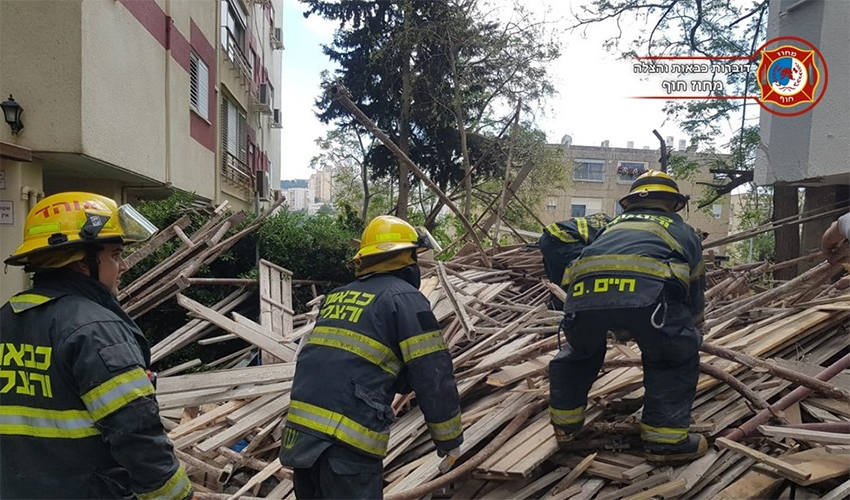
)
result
[(603, 175), (322, 185), (131, 98)]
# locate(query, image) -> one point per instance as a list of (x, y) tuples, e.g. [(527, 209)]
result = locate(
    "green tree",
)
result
[(434, 75), (705, 28)]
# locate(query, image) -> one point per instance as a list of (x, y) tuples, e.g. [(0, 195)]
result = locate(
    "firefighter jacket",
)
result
[(562, 242), (78, 417), (374, 337), (643, 257)]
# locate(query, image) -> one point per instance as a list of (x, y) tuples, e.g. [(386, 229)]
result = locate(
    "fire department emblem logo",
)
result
[(789, 76)]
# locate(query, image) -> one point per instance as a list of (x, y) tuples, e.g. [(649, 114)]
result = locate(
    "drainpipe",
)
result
[(32, 196), (169, 25)]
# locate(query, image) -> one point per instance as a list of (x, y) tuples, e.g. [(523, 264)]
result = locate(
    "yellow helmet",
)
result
[(387, 233), (68, 220), (654, 185)]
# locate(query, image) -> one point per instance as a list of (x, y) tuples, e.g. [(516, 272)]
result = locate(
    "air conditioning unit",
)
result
[(263, 182), (277, 38), (264, 95), (276, 119)]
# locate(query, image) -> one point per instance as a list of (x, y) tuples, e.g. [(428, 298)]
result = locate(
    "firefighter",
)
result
[(374, 337), (78, 416), (562, 242), (643, 274)]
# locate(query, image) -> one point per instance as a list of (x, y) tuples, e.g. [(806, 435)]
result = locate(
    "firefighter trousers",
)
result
[(340, 473), (670, 358)]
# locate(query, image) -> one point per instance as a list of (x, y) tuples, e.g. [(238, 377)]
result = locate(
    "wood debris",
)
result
[(226, 422)]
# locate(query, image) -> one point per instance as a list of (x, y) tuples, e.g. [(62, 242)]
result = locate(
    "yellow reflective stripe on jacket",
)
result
[(116, 392), (650, 227), (448, 430), (177, 487), (24, 301), (581, 225), (359, 344), (629, 263), (566, 417), (38, 422), (699, 270), (555, 230), (665, 435), (339, 426), (421, 345)]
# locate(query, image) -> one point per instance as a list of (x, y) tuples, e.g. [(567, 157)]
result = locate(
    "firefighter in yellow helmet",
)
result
[(374, 337), (78, 417), (642, 274)]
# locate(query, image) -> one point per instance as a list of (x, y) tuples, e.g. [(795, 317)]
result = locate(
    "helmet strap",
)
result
[(92, 262)]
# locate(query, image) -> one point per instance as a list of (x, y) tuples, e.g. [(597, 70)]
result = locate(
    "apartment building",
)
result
[(321, 184), (602, 176), (131, 98)]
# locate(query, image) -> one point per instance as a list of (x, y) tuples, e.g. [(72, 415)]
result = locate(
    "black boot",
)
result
[(691, 448)]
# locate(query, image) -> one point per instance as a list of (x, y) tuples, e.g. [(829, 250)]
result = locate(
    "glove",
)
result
[(449, 459)]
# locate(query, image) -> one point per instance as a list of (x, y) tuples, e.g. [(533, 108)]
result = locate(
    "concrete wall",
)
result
[(812, 148), (41, 66), (124, 117), (612, 188)]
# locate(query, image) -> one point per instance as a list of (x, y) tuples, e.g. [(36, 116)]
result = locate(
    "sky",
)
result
[(593, 102)]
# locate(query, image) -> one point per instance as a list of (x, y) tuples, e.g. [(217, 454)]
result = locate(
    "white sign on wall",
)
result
[(2, 179), (7, 212)]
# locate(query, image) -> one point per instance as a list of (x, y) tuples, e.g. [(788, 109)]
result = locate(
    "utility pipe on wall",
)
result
[(32, 196)]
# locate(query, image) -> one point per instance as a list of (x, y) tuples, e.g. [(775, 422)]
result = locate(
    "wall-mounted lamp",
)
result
[(12, 113)]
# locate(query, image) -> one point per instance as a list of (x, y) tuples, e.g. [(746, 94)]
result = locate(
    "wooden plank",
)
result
[(205, 397), (697, 469), (666, 490), (805, 435), (786, 469), (589, 489), (205, 419), (650, 482), (258, 418), (752, 485), (258, 478), (818, 464), (247, 333), (227, 378)]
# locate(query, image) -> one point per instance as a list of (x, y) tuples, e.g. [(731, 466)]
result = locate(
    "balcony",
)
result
[(237, 59), (236, 171)]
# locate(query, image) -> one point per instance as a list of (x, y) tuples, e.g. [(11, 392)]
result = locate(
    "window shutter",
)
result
[(193, 79), (203, 104)]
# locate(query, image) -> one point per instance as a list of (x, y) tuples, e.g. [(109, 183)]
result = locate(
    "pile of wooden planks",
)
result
[(226, 422)]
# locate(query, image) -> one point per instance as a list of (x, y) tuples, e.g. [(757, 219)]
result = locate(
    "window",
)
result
[(627, 171), (717, 211), (585, 206), (589, 170), (232, 26), (234, 139), (199, 85), (577, 210), (551, 206)]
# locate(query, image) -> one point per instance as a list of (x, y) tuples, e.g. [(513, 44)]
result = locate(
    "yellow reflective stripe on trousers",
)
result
[(650, 227), (665, 435), (566, 417), (116, 392), (176, 488), (555, 230), (448, 430), (630, 263), (581, 225), (38, 422), (339, 426), (421, 345), (356, 343), (24, 301)]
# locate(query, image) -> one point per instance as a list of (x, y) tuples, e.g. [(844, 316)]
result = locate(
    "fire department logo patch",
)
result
[(790, 76)]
